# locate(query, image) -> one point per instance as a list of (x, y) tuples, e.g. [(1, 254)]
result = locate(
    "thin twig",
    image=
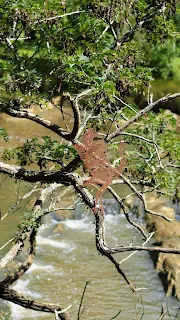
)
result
[(177, 314), (141, 138), (19, 199), (6, 243), (127, 105), (82, 297), (143, 244), (57, 17), (141, 113), (120, 201), (163, 313), (141, 197), (115, 315), (102, 34)]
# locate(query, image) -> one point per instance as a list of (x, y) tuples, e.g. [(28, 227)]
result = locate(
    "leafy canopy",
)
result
[(111, 48)]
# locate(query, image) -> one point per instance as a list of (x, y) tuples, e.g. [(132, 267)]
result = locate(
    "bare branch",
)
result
[(140, 182), (82, 297), (10, 279), (140, 138), (11, 47), (143, 244), (59, 161), (15, 39), (163, 313), (77, 182), (127, 105), (102, 34), (100, 242), (37, 212), (19, 199), (102, 248), (19, 172), (11, 295), (57, 17), (47, 123), (116, 315), (142, 113), (6, 244), (120, 201), (12, 253), (141, 197)]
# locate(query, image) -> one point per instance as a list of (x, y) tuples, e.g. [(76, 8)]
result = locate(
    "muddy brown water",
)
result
[(65, 261)]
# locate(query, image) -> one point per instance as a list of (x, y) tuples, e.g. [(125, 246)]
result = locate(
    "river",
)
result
[(65, 261)]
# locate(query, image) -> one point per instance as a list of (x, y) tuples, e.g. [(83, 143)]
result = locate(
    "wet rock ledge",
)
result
[(167, 234)]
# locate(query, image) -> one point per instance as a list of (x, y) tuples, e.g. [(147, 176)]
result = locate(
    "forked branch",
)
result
[(141, 113), (47, 123)]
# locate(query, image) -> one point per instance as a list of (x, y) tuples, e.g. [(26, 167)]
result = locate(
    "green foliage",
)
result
[(114, 48), (158, 163), (29, 221), (162, 59), (3, 134), (41, 56), (39, 152)]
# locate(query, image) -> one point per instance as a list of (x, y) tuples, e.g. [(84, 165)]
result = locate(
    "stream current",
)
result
[(65, 261)]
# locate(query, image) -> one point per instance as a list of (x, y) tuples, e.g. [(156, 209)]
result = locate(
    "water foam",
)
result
[(84, 224), (112, 219), (18, 313), (45, 268), (21, 286), (67, 245)]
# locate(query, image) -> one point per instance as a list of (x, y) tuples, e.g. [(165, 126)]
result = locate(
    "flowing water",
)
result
[(65, 261)]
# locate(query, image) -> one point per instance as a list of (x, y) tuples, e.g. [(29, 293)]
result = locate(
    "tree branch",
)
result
[(120, 201), (141, 197), (128, 36), (142, 113), (11, 295), (100, 241), (12, 253), (58, 17), (47, 123), (10, 279), (25, 233), (77, 182), (18, 172)]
